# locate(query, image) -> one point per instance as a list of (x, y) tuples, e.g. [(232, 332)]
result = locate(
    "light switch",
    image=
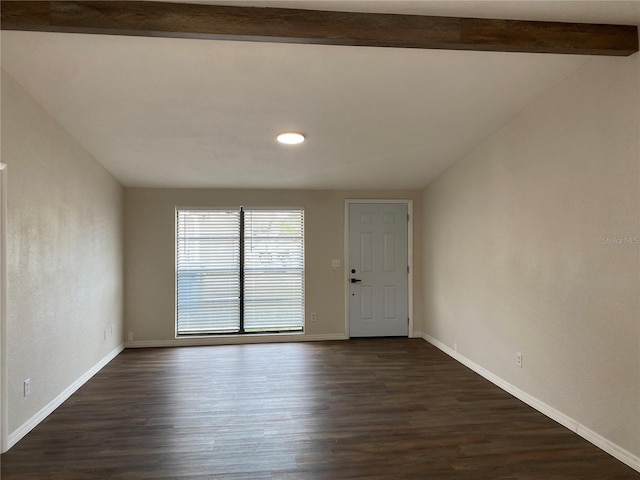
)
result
[(335, 263)]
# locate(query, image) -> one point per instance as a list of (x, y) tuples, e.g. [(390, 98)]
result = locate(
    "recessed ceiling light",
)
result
[(290, 138)]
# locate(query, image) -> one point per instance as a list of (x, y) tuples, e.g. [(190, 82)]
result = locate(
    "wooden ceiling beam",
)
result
[(181, 20)]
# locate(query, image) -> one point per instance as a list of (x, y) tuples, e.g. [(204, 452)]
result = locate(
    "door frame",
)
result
[(4, 366), (409, 204)]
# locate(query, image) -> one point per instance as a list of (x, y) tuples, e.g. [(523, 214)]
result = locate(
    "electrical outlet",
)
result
[(111, 327), (314, 316), (455, 346), (519, 359), (27, 387), (335, 263), (105, 334), (130, 337)]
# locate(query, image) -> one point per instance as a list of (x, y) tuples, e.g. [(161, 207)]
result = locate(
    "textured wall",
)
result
[(531, 245), (150, 252), (64, 256)]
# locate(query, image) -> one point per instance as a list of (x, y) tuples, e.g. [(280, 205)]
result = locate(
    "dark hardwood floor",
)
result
[(374, 409)]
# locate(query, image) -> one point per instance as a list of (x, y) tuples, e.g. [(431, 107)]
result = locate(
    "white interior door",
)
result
[(378, 266)]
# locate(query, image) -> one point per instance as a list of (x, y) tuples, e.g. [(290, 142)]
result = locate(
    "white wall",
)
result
[(150, 255), (64, 258), (531, 245)]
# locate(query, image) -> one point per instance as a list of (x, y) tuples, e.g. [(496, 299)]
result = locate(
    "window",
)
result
[(239, 271)]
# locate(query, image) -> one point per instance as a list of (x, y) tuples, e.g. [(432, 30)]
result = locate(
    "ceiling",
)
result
[(160, 112)]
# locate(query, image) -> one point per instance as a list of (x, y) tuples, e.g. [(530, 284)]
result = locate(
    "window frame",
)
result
[(242, 210)]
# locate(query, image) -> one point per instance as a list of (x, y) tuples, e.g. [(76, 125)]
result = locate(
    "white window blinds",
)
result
[(208, 271), (239, 271), (273, 270)]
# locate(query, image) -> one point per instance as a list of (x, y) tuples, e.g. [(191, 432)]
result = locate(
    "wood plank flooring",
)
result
[(366, 408)]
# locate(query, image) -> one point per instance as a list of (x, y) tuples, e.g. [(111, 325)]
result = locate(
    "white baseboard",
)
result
[(598, 440), (30, 424), (233, 340)]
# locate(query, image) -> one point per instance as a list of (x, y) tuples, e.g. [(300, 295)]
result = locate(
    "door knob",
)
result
[(355, 280)]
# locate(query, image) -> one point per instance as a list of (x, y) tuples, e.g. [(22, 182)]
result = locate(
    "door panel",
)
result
[(390, 295), (389, 252), (366, 252), (367, 304), (378, 300)]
